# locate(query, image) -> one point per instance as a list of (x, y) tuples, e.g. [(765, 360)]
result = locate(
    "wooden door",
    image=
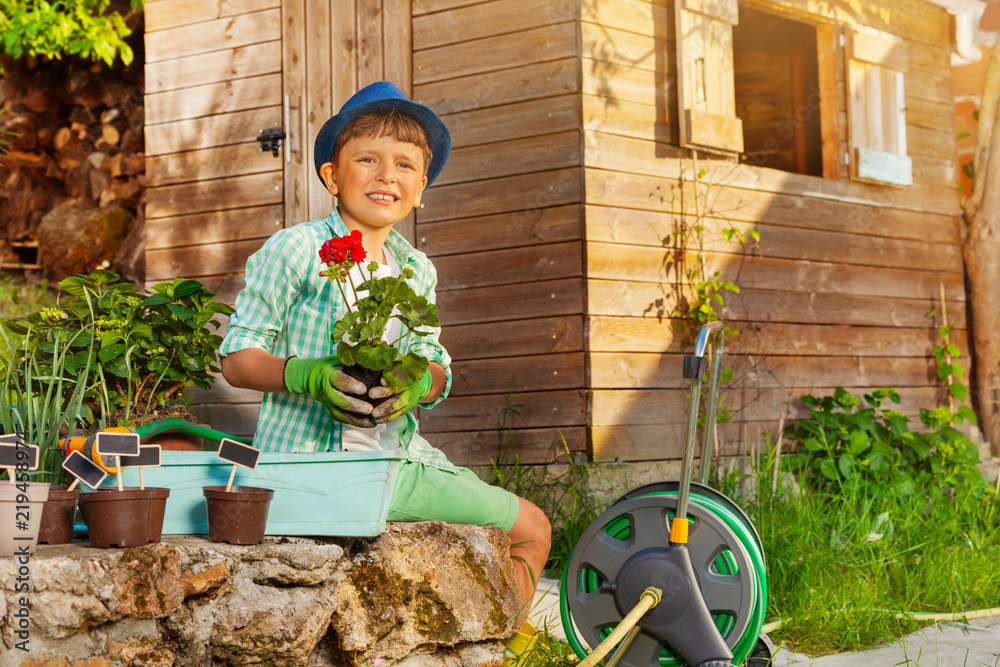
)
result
[(217, 73)]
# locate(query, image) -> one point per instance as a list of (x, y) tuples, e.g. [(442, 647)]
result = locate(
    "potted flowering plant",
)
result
[(359, 334)]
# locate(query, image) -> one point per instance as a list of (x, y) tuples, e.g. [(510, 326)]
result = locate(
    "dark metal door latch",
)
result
[(270, 139)]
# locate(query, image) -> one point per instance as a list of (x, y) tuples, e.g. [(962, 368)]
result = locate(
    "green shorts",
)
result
[(423, 493)]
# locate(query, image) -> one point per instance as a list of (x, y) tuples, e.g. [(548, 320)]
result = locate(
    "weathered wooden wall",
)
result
[(837, 293), (503, 223)]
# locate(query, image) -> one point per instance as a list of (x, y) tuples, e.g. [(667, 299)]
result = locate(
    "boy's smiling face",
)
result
[(377, 180)]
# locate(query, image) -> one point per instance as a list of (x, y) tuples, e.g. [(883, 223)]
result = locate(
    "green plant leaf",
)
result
[(958, 390), (376, 358)]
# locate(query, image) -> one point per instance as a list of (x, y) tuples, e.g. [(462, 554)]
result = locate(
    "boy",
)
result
[(376, 155)]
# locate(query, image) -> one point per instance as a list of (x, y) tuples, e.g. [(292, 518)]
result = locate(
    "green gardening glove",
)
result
[(400, 399), (324, 379)]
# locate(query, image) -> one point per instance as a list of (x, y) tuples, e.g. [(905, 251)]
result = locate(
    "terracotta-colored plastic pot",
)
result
[(57, 516), (20, 516), (160, 495), (117, 518), (238, 516)]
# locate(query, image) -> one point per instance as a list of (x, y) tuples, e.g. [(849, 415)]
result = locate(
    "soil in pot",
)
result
[(19, 526), (58, 516), (238, 516), (158, 509), (117, 518), (370, 379)]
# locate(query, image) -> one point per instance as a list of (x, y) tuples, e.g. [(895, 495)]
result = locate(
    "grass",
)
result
[(838, 565), (18, 297)]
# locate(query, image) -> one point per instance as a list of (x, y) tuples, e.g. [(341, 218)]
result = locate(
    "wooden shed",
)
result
[(599, 145)]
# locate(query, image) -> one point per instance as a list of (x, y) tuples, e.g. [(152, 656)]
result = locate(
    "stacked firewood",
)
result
[(73, 130)]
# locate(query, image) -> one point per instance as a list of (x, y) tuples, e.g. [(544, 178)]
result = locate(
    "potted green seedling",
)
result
[(360, 333)]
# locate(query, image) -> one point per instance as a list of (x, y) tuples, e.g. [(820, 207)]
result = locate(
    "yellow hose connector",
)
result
[(649, 599), (679, 531)]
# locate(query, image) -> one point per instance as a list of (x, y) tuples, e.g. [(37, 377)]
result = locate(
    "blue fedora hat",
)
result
[(376, 97)]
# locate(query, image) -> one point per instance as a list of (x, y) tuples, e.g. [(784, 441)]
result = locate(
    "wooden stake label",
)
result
[(84, 469), (148, 457), (117, 444), (18, 454)]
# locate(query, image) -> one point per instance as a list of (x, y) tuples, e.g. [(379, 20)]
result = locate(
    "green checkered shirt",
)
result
[(286, 308)]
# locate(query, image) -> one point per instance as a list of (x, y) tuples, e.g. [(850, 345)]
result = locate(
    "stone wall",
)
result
[(419, 595)]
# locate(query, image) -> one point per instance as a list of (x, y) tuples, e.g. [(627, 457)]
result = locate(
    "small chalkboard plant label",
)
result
[(84, 470), (17, 456), (117, 445), (148, 457), (237, 515)]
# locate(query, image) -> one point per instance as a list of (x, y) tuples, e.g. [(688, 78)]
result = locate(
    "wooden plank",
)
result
[(653, 19), (539, 372), (516, 49), (214, 98), (215, 227), (634, 299), (526, 192), (370, 42), (344, 64), (306, 197), (630, 119), (647, 191), (512, 157), (606, 261), (658, 231), (230, 128), (206, 36), (397, 25), (879, 49), (623, 407), (421, 7), (514, 121), (511, 265), (649, 334), (826, 57), (480, 413), (208, 163), (225, 287), (935, 143), (514, 302), (532, 446), (664, 371), (928, 86), (296, 49), (924, 23), (465, 24), (237, 192), (651, 88), (934, 170), (164, 14), (514, 338), (505, 230), (208, 259), (925, 113), (619, 50), (883, 167), (238, 63), (530, 82)]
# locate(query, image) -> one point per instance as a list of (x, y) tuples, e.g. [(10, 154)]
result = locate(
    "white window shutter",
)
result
[(877, 130), (705, 85)]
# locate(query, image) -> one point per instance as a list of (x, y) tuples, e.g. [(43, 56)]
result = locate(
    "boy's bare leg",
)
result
[(530, 539)]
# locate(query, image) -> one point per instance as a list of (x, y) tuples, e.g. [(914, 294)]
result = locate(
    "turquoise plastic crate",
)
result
[(329, 493)]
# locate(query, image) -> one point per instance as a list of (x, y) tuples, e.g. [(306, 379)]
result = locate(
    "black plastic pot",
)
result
[(117, 518)]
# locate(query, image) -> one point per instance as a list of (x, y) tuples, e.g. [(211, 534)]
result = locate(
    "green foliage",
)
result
[(870, 450), (39, 398), (149, 346), (65, 27), (842, 562), (359, 331)]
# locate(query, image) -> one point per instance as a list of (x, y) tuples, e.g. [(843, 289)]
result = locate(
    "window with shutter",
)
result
[(877, 109), (707, 118)]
